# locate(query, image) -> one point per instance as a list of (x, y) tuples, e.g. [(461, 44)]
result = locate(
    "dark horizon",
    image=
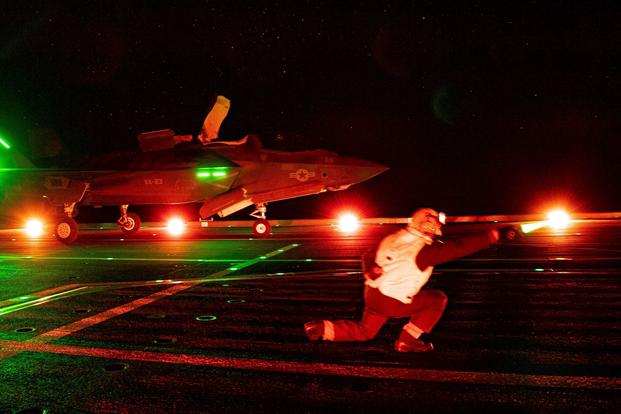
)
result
[(500, 110)]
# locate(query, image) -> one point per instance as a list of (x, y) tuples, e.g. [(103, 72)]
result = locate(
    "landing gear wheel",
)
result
[(132, 224), (261, 228), (66, 230)]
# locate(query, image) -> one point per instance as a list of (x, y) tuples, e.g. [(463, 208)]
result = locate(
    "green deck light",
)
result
[(4, 144), (19, 298)]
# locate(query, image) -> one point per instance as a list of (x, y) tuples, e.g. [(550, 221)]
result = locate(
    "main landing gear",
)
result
[(66, 228), (261, 227), (129, 222)]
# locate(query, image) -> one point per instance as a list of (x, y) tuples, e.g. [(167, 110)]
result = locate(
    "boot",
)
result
[(314, 330), (407, 343)]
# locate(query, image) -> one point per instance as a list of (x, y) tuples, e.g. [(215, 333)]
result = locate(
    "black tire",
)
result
[(132, 225), (66, 230), (261, 228)]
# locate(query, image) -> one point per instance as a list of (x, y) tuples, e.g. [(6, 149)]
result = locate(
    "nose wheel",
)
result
[(261, 227)]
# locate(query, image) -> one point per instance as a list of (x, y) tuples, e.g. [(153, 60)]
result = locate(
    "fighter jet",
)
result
[(225, 176)]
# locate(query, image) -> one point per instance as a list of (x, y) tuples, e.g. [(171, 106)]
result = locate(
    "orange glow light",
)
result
[(348, 223), (34, 228), (175, 226), (558, 219)]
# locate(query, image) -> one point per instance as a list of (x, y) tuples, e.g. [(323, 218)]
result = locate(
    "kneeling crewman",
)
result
[(395, 274)]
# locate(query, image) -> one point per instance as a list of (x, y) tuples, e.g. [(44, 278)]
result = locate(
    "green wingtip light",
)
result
[(4, 144)]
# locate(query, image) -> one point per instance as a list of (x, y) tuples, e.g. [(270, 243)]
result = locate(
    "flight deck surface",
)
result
[(214, 323)]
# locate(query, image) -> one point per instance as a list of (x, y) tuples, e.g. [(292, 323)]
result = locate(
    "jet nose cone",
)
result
[(354, 171), (364, 170), (376, 169)]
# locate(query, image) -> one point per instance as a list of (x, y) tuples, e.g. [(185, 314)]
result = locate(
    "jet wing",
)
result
[(57, 186), (170, 186), (116, 187)]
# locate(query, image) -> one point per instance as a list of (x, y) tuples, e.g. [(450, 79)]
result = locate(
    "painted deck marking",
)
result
[(39, 301), (319, 368), (84, 288), (81, 324)]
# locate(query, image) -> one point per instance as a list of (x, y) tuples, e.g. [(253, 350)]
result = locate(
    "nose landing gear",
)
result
[(261, 227)]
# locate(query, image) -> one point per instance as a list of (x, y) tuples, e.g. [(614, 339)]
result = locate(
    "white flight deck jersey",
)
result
[(401, 278)]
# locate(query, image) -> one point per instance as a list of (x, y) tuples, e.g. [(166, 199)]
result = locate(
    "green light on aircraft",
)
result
[(211, 172), (4, 144)]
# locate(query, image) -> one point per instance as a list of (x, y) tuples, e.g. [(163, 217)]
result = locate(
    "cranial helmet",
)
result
[(427, 221)]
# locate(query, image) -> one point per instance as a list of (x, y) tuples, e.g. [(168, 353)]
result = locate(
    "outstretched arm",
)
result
[(438, 253)]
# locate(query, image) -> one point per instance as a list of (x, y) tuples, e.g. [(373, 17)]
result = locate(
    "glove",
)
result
[(509, 233), (370, 269)]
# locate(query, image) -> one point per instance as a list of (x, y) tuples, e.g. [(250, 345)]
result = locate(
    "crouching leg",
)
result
[(346, 330)]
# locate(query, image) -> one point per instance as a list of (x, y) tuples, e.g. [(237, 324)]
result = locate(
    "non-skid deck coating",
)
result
[(215, 325)]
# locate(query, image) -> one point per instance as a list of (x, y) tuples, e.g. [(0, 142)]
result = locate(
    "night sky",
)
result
[(476, 109)]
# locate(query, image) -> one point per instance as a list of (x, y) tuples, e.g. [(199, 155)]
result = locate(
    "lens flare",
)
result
[(348, 223), (558, 219), (175, 226), (34, 228), (4, 144)]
